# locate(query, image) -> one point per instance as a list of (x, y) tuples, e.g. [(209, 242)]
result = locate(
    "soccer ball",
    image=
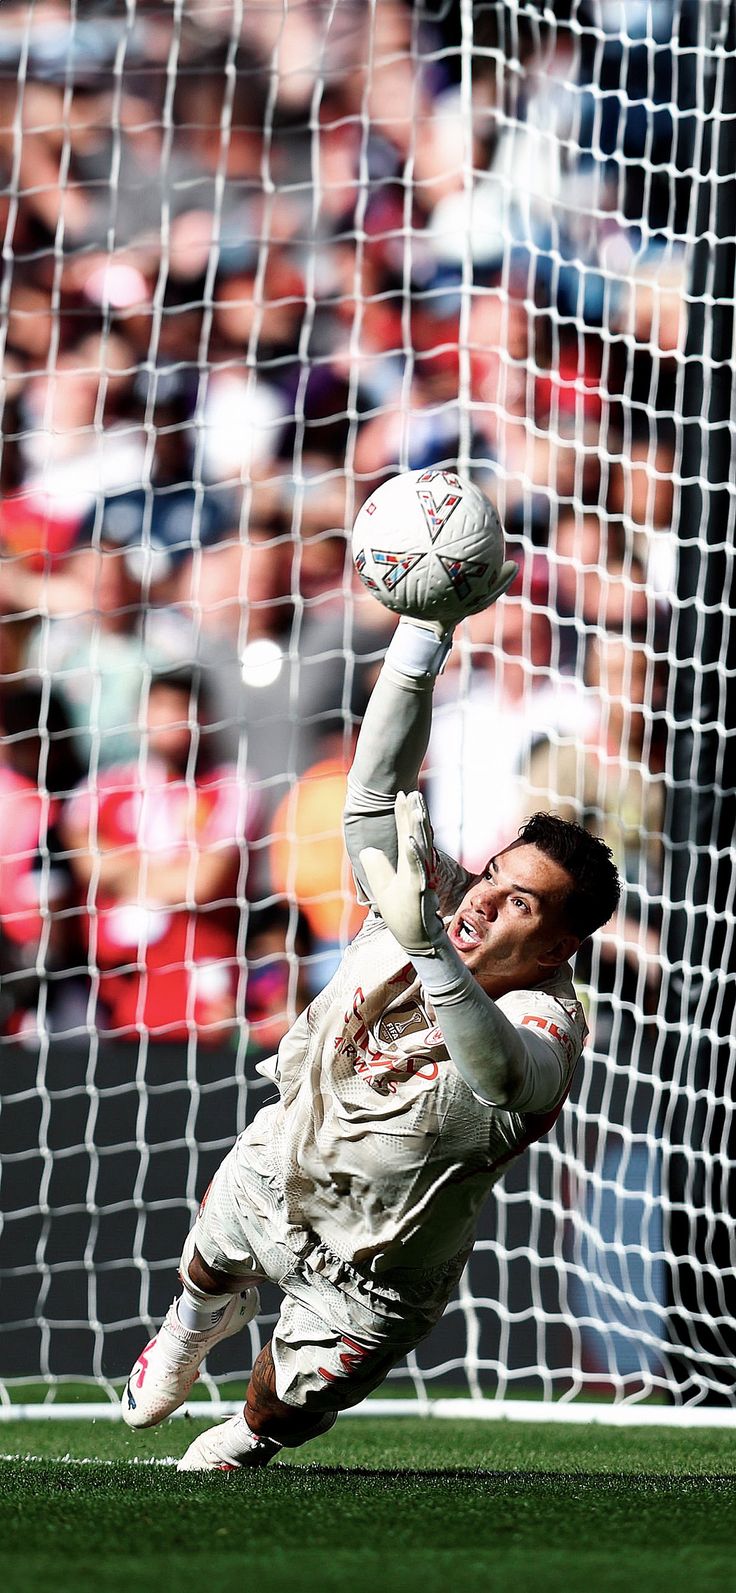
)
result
[(429, 544)]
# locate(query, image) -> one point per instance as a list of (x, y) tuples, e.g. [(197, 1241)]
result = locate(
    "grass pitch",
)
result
[(377, 1505)]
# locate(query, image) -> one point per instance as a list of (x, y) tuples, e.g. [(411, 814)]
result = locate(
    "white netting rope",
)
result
[(254, 259)]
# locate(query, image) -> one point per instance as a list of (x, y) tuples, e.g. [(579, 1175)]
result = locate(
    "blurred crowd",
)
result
[(255, 260)]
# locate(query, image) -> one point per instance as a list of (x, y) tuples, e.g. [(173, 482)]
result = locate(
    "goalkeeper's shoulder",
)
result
[(551, 1011)]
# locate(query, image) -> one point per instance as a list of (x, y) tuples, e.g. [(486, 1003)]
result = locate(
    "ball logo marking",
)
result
[(437, 508), (397, 566)]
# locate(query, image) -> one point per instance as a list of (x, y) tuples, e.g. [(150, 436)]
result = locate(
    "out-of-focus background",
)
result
[(255, 260)]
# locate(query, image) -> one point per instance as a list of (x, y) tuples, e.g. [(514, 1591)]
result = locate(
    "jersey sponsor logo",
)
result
[(383, 1064), (418, 1067), (384, 1069)]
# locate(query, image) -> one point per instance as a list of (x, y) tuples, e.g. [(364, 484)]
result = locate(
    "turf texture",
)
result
[(374, 1506)]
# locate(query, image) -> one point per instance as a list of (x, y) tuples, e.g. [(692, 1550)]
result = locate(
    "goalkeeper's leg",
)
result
[(212, 1307), (264, 1426), (309, 1372)]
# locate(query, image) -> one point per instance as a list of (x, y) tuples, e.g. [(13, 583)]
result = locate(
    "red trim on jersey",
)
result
[(351, 1362)]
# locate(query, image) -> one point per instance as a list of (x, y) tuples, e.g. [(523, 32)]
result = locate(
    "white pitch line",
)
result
[(622, 1415), (88, 1460)]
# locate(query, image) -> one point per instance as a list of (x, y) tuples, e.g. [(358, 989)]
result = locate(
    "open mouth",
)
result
[(466, 934)]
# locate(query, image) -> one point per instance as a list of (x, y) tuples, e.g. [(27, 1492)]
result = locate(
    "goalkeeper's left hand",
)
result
[(404, 896)]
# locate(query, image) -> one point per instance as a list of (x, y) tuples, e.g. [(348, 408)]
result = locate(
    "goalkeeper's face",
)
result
[(510, 927)]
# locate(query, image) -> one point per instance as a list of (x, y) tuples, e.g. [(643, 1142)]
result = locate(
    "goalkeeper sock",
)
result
[(198, 1313)]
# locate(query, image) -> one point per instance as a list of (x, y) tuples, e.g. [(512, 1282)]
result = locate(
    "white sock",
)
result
[(199, 1315), (240, 1436)]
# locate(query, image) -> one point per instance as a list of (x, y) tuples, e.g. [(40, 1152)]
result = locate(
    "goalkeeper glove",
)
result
[(507, 573), (404, 896)]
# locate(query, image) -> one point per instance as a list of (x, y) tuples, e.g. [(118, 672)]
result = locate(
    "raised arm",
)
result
[(393, 740), (390, 846)]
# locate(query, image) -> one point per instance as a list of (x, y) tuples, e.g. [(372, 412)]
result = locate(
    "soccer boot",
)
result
[(229, 1447), (169, 1365)]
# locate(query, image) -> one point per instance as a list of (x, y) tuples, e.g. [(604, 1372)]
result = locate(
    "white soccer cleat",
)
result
[(229, 1447), (169, 1365)]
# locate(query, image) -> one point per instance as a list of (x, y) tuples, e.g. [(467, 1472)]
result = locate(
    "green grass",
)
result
[(375, 1505)]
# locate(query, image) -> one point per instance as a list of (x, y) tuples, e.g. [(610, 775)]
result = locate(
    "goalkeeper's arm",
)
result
[(503, 1065), (500, 1064), (393, 741)]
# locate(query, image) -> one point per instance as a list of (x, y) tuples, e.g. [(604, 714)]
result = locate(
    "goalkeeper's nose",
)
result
[(485, 900)]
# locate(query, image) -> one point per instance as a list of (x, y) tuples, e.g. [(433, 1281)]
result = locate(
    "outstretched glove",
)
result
[(404, 896), (506, 575)]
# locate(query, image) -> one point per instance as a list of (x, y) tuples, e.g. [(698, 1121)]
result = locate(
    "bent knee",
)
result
[(209, 1280)]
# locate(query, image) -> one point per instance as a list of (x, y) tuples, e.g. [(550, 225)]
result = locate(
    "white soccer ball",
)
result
[(429, 544)]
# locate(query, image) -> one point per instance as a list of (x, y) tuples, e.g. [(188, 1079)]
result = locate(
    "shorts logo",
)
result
[(351, 1360)]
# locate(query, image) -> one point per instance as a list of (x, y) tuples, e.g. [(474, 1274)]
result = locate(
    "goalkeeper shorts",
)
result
[(338, 1333)]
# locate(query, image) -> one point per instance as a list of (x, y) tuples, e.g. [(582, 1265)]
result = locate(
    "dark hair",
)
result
[(187, 679), (281, 917), (596, 887), (26, 713)]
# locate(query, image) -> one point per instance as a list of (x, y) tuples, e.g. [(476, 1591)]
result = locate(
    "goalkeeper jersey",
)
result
[(376, 1144)]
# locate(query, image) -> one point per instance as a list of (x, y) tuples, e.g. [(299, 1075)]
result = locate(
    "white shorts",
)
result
[(338, 1333)]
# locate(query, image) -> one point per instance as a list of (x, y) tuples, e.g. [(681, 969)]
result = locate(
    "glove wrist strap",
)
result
[(418, 650)]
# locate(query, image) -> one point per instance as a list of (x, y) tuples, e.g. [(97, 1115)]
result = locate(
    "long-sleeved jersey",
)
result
[(379, 1143)]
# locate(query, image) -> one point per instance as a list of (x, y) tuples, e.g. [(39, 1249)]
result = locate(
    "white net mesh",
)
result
[(256, 258)]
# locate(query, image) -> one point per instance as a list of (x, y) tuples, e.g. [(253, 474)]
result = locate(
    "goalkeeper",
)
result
[(444, 1045)]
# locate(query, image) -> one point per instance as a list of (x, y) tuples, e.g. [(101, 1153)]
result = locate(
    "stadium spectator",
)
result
[(168, 513), (158, 849), (89, 633), (607, 772), (316, 332), (583, 543), (266, 615), (499, 692), (307, 858), (641, 491), (278, 952), (44, 984), (78, 440)]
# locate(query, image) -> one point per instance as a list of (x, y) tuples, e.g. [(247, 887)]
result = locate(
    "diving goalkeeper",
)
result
[(444, 1045)]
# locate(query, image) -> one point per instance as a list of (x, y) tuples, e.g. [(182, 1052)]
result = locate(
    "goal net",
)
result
[(255, 259)]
